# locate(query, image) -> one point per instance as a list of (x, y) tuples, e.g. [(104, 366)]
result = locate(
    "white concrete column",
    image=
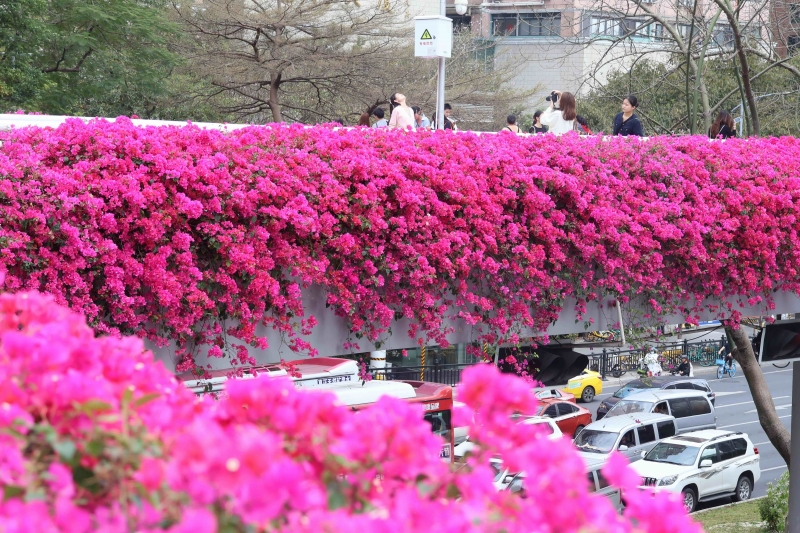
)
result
[(377, 361)]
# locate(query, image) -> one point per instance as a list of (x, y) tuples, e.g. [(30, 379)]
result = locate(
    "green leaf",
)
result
[(147, 398), (94, 406), (336, 499), (12, 491), (95, 448), (66, 449)]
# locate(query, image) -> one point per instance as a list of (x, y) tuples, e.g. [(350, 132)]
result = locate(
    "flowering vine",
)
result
[(200, 237)]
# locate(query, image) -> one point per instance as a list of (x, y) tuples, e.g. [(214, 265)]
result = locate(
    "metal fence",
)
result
[(700, 353), (616, 362), (448, 374)]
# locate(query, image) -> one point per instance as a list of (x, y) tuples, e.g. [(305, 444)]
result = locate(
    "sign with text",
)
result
[(780, 342), (433, 36)]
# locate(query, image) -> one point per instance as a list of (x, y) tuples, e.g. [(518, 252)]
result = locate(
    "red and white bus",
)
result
[(340, 376)]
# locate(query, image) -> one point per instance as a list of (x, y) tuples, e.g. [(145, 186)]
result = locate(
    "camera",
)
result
[(552, 98)]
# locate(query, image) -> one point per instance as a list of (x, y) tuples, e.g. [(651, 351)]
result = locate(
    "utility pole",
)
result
[(440, 79)]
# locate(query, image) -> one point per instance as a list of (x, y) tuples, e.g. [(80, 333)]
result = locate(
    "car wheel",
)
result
[(588, 394), (578, 430), (689, 499), (744, 489)]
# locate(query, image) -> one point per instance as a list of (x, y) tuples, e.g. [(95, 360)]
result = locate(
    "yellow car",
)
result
[(585, 386)]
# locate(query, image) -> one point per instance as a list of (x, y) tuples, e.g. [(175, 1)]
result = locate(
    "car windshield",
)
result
[(675, 454), (630, 388), (593, 441), (498, 469), (628, 407)]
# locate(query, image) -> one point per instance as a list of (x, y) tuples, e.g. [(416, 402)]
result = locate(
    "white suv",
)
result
[(702, 465)]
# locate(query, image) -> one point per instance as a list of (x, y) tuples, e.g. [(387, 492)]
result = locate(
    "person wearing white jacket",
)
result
[(560, 119)]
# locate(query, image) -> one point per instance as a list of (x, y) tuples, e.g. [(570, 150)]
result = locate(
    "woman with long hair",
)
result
[(363, 120), (537, 126), (560, 119), (723, 127), (402, 115), (627, 123)]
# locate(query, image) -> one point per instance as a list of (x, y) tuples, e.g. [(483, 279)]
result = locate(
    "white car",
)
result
[(515, 483), (702, 465), (548, 426)]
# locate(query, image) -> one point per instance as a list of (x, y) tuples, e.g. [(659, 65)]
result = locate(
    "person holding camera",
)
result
[(560, 116), (627, 123)]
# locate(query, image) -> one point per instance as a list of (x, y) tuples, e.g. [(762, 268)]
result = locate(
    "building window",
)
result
[(793, 43), (461, 22), (606, 26), (794, 12), (504, 25), (658, 31), (527, 25), (683, 30), (723, 35)]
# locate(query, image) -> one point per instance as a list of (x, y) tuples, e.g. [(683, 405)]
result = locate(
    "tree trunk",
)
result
[(274, 97), (777, 434)]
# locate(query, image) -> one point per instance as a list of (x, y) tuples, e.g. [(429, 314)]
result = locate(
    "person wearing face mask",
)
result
[(627, 123), (402, 115)]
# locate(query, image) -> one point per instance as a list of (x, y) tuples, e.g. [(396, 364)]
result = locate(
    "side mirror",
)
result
[(508, 479), (643, 454), (623, 448), (705, 463)]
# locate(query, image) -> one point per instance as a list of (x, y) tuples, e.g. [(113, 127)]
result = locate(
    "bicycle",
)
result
[(723, 368)]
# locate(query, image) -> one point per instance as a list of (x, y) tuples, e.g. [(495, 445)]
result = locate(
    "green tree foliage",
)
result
[(85, 57), (661, 90)]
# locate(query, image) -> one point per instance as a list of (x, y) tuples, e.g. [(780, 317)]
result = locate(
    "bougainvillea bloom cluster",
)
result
[(97, 437), (171, 232)]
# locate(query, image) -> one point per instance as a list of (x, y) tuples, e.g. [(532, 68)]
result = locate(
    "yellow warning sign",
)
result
[(426, 35)]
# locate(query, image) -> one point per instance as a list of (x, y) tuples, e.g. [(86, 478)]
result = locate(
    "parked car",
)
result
[(554, 395), (515, 483), (586, 385), (630, 435), (692, 409), (547, 426), (570, 418), (658, 382), (702, 466)]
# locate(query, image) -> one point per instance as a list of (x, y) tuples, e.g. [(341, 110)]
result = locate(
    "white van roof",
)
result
[(315, 373), (620, 423), (661, 394), (370, 391)]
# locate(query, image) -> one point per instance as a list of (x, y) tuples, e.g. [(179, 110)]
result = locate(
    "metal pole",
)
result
[(440, 81), (621, 325), (422, 360), (793, 521), (603, 365)]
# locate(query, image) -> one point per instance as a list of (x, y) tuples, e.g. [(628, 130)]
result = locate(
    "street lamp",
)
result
[(461, 6)]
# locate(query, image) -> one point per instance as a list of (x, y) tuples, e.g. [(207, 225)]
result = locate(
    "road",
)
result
[(736, 412)]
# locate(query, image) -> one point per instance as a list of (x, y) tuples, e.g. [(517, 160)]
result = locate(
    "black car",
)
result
[(658, 382)]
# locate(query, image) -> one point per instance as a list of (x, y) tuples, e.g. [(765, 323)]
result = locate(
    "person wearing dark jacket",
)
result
[(627, 123), (723, 127), (684, 369)]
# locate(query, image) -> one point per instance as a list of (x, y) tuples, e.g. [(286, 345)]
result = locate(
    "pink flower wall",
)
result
[(164, 232)]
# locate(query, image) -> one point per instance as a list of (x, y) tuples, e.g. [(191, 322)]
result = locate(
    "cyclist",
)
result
[(728, 357)]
